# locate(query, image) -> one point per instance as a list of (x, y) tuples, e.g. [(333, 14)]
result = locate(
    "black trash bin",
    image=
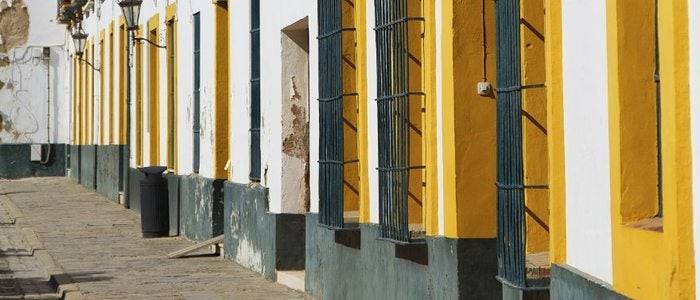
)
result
[(154, 203)]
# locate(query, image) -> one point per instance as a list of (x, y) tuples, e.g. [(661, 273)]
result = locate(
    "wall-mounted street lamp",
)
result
[(79, 40), (131, 9)]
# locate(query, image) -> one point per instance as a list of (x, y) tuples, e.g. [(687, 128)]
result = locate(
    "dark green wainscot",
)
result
[(174, 202), (201, 207), (88, 166), (74, 162), (257, 239), (358, 265), (16, 161), (133, 200), (108, 174), (570, 283)]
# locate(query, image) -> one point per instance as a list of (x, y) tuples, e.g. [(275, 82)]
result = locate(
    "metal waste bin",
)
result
[(154, 203)]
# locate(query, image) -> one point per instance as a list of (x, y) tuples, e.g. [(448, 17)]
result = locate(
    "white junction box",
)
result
[(36, 152)]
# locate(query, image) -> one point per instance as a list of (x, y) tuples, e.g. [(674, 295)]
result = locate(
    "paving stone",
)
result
[(98, 244)]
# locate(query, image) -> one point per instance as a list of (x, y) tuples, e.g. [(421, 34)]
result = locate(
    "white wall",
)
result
[(372, 123), (239, 62), (694, 34), (33, 106), (274, 16), (587, 150)]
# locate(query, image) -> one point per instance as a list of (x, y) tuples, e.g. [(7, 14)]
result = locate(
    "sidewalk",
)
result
[(98, 244)]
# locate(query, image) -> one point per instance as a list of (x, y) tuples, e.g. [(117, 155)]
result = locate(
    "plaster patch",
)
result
[(295, 142), (14, 24)]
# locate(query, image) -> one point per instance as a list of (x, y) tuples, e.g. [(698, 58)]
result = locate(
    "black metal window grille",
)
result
[(255, 90), (393, 96), (512, 256), (511, 207), (196, 94), (331, 159)]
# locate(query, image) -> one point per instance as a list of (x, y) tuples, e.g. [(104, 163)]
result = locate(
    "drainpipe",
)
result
[(46, 53)]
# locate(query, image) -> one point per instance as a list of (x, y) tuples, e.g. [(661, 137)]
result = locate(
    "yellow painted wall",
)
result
[(75, 109), (154, 91), (636, 91), (113, 122), (221, 69), (534, 125), (86, 103), (138, 66), (171, 49), (416, 109), (360, 21), (122, 81), (429, 145), (469, 120), (555, 136), (103, 135), (90, 94), (351, 110), (649, 264)]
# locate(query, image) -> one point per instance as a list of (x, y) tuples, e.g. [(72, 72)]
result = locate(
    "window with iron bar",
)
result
[(400, 107), (255, 115), (196, 93), (338, 116)]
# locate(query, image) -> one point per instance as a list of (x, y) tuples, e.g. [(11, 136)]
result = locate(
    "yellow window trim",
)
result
[(138, 63), (154, 91), (122, 81), (221, 86), (170, 16), (555, 120), (103, 94), (111, 111), (649, 264)]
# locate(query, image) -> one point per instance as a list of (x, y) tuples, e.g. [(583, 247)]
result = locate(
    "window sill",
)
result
[(349, 236), (651, 224)]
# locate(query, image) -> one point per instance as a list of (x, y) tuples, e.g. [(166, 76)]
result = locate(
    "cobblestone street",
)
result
[(59, 239)]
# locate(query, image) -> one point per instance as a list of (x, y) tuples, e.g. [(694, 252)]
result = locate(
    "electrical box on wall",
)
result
[(484, 88), (35, 152)]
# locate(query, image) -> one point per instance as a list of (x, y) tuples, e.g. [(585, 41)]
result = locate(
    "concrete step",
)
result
[(291, 279)]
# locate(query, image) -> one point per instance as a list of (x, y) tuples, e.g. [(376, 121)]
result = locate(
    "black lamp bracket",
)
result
[(140, 39)]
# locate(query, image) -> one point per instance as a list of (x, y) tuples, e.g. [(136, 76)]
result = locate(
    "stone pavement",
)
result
[(98, 245)]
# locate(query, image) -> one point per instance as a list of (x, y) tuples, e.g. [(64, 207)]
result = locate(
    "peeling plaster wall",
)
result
[(275, 16), (295, 120), (31, 87)]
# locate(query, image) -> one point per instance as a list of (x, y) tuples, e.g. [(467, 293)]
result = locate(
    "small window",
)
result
[(640, 115)]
